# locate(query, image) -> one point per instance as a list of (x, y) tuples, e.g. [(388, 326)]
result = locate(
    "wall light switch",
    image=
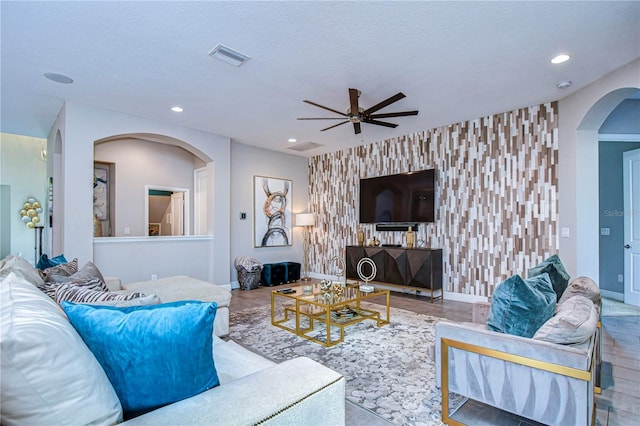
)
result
[(243, 215), (605, 231), (127, 230), (565, 232), (620, 278)]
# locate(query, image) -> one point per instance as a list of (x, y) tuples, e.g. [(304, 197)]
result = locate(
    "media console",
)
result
[(417, 269)]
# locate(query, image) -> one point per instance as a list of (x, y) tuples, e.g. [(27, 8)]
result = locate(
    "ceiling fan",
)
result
[(356, 114)]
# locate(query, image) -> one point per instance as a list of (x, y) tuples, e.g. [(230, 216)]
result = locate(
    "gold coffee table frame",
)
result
[(318, 306)]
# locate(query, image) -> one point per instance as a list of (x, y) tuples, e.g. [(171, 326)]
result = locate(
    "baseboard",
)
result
[(612, 295), (233, 285), (468, 298)]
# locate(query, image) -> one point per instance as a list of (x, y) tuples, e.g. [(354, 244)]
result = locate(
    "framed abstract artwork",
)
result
[(154, 229), (101, 191), (272, 211)]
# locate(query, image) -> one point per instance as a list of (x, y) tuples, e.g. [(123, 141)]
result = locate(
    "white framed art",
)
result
[(272, 211)]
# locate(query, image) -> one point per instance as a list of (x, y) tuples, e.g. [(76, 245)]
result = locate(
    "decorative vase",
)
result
[(410, 238), (361, 237)]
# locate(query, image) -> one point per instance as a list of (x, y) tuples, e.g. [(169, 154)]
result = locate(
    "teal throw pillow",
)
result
[(153, 355), (520, 307), (557, 273), (44, 262)]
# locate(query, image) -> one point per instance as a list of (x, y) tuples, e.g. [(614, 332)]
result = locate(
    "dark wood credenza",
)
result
[(417, 269)]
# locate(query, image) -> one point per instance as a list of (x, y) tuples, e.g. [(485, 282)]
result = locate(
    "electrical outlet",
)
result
[(605, 231), (620, 278), (127, 230), (243, 215), (154, 277), (565, 232)]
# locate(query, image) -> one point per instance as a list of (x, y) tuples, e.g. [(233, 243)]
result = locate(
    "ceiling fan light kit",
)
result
[(362, 115)]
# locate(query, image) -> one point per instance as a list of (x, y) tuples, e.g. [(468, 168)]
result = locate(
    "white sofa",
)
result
[(551, 383), (183, 287), (49, 376)]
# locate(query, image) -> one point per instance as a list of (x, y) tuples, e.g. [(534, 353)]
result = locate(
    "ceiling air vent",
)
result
[(228, 55), (304, 146)]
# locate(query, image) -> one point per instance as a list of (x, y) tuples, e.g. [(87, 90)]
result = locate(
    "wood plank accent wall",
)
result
[(496, 195)]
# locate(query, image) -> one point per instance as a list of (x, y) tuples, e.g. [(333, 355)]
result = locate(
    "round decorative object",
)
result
[(23, 212), (31, 225), (36, 205), (32, 213), (26, 219), (366, 261), (27, 206), (35, 219), (337, 266)]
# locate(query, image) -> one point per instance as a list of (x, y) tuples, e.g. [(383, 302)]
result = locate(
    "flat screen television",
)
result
[(400, 198)]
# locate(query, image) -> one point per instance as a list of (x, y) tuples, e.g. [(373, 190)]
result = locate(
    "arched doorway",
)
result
[(588, 208)]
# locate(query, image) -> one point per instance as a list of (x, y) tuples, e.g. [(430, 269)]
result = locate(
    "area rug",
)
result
[(389, 370), (614, 308)]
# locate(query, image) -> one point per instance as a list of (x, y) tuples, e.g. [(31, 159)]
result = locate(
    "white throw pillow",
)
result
[(21, 268), (575, 322), (49, 376)]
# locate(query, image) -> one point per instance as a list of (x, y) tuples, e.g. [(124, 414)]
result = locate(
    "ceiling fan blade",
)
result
[(324, 107), (335, 125), (394, 114), (380, 123), (323, 118), (353, 99), (384, 103), (356, 128)]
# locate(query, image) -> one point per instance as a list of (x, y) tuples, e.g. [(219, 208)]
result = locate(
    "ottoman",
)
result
[(183, 287)]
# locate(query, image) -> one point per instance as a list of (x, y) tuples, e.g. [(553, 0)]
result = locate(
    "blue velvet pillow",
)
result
[(44, 262), (153, 355), (520, 307), (558, 275)]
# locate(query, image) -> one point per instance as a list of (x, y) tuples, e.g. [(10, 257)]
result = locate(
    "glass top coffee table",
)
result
[(312, 311)]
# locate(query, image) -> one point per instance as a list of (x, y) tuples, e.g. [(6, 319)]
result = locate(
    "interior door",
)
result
[(177, 213), (631, 187), (200, 202)]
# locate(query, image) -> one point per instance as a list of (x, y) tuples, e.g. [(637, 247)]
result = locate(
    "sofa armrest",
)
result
[(546, 382), (113, 283), (578, 357), (298, 391)]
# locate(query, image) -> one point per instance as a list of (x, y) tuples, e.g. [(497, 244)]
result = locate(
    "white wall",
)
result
[(80, 126), (580, 116), (24, 171), (139, 163), (246, 162)]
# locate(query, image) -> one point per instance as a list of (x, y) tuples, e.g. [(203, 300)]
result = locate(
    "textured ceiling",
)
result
[(453, 60)]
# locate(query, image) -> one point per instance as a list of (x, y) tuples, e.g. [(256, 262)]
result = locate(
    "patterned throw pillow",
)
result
[(86, 294), (89, 276), (66, 269)]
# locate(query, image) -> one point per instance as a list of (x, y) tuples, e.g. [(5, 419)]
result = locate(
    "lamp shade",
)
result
[(305, 219)]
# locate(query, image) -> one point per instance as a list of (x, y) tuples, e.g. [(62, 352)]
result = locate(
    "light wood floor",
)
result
[(619, 404)]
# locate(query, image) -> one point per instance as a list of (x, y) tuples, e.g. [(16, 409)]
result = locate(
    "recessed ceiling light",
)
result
[(176, 109), (292, 140), (58, 78), (560, 59)]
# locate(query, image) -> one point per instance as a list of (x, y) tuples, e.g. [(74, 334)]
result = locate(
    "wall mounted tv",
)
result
[(400, 198)]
